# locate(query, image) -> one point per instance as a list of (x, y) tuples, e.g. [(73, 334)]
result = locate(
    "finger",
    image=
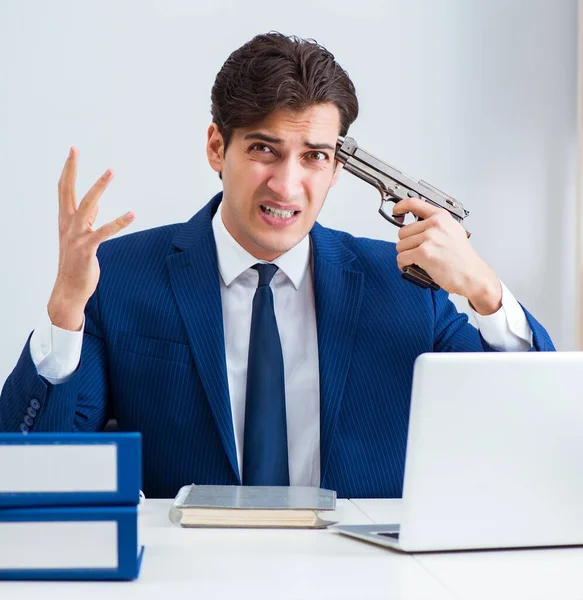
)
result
[(409, 257), (413, 229), (92, 215), (67, 199), (113, 227), (87, 205), (412, 241), (418, 207)]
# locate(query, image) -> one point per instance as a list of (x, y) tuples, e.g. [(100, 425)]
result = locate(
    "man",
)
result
[(252, 345)]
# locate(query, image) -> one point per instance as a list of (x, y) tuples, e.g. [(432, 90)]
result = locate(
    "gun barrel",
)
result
[(392, 183)]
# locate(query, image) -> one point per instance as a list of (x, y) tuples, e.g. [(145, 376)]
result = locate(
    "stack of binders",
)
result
[(69, 506)]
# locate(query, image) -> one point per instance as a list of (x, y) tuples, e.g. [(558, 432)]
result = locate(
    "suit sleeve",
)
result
[(30, 403), (454, 333)]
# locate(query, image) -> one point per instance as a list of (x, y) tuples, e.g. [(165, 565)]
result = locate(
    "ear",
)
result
[(215, 148), (337, 170)]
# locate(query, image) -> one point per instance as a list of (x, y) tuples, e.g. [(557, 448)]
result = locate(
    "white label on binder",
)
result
[(58, 468), (58, 545)]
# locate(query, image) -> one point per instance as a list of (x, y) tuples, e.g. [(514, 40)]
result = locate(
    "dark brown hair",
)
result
[(274, 71)]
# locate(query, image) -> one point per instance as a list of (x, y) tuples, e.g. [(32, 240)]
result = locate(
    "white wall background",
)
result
[(478, 97)]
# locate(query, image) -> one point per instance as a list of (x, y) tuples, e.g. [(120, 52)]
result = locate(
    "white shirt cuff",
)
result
[(507, 329), (55, 352)]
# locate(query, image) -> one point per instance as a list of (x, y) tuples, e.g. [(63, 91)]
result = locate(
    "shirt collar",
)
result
[(233, 259)]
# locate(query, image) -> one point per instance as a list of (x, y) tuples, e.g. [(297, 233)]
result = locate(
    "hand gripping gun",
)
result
[(394, 186)]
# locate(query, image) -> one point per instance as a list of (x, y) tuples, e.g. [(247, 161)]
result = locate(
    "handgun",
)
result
[(394, 186)]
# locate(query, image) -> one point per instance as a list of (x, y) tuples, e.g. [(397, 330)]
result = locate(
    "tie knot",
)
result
[(266, 272)]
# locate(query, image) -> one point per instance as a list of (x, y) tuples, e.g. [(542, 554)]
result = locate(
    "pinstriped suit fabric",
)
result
[(154, 358)]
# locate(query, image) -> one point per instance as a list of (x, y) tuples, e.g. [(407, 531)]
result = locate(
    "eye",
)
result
[(260, 148), (318, 156)]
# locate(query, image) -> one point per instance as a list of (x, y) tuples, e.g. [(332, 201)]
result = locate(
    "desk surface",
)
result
[(533, 574), (317, 564), (248, 563)]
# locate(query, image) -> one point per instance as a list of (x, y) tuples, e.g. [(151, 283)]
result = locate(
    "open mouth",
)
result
[(278, 213)]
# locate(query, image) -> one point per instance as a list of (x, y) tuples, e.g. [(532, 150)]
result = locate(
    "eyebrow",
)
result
[(256, 135)]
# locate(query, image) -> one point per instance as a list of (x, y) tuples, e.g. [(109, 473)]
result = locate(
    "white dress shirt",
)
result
[(56, 352)]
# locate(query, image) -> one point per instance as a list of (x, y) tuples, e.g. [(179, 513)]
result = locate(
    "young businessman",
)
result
[(252, 345)]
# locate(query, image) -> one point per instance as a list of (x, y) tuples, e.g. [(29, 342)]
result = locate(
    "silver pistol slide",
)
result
[(394, 186)]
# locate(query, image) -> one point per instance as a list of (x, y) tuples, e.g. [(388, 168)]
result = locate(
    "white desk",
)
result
[(317, 564), (549, 574), (237, 563)]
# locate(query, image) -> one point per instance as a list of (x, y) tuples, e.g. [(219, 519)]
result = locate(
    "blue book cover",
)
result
[(70, 543), (70, 469)]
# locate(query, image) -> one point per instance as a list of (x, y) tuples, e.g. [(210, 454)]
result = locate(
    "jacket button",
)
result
[(31, 412), (23, 428), (35, 404), (28, 420)]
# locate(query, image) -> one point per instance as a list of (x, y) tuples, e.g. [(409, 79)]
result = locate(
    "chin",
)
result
[(278, 246)]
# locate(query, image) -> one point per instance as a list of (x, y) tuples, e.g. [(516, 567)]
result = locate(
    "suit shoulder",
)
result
[(136, 254), (366, 249), (147, 241)]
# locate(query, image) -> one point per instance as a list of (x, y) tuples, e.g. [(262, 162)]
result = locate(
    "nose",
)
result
[(286, 179)]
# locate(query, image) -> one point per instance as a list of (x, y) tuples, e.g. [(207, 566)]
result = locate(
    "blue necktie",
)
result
[(265, 439)]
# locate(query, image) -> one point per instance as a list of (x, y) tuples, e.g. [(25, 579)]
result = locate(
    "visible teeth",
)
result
[(276, 212)]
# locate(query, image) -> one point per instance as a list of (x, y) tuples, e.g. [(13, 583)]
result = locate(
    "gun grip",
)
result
[(418, 276)]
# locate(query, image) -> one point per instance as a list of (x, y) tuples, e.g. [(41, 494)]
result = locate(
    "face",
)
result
[(276, 176)]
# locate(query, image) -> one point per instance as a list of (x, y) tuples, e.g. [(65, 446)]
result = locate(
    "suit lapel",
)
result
[(338, 283), (194, 276)]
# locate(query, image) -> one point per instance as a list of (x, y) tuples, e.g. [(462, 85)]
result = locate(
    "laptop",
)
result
[(494, 454)]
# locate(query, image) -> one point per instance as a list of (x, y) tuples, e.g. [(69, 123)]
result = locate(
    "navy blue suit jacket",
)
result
[(154, 358)]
